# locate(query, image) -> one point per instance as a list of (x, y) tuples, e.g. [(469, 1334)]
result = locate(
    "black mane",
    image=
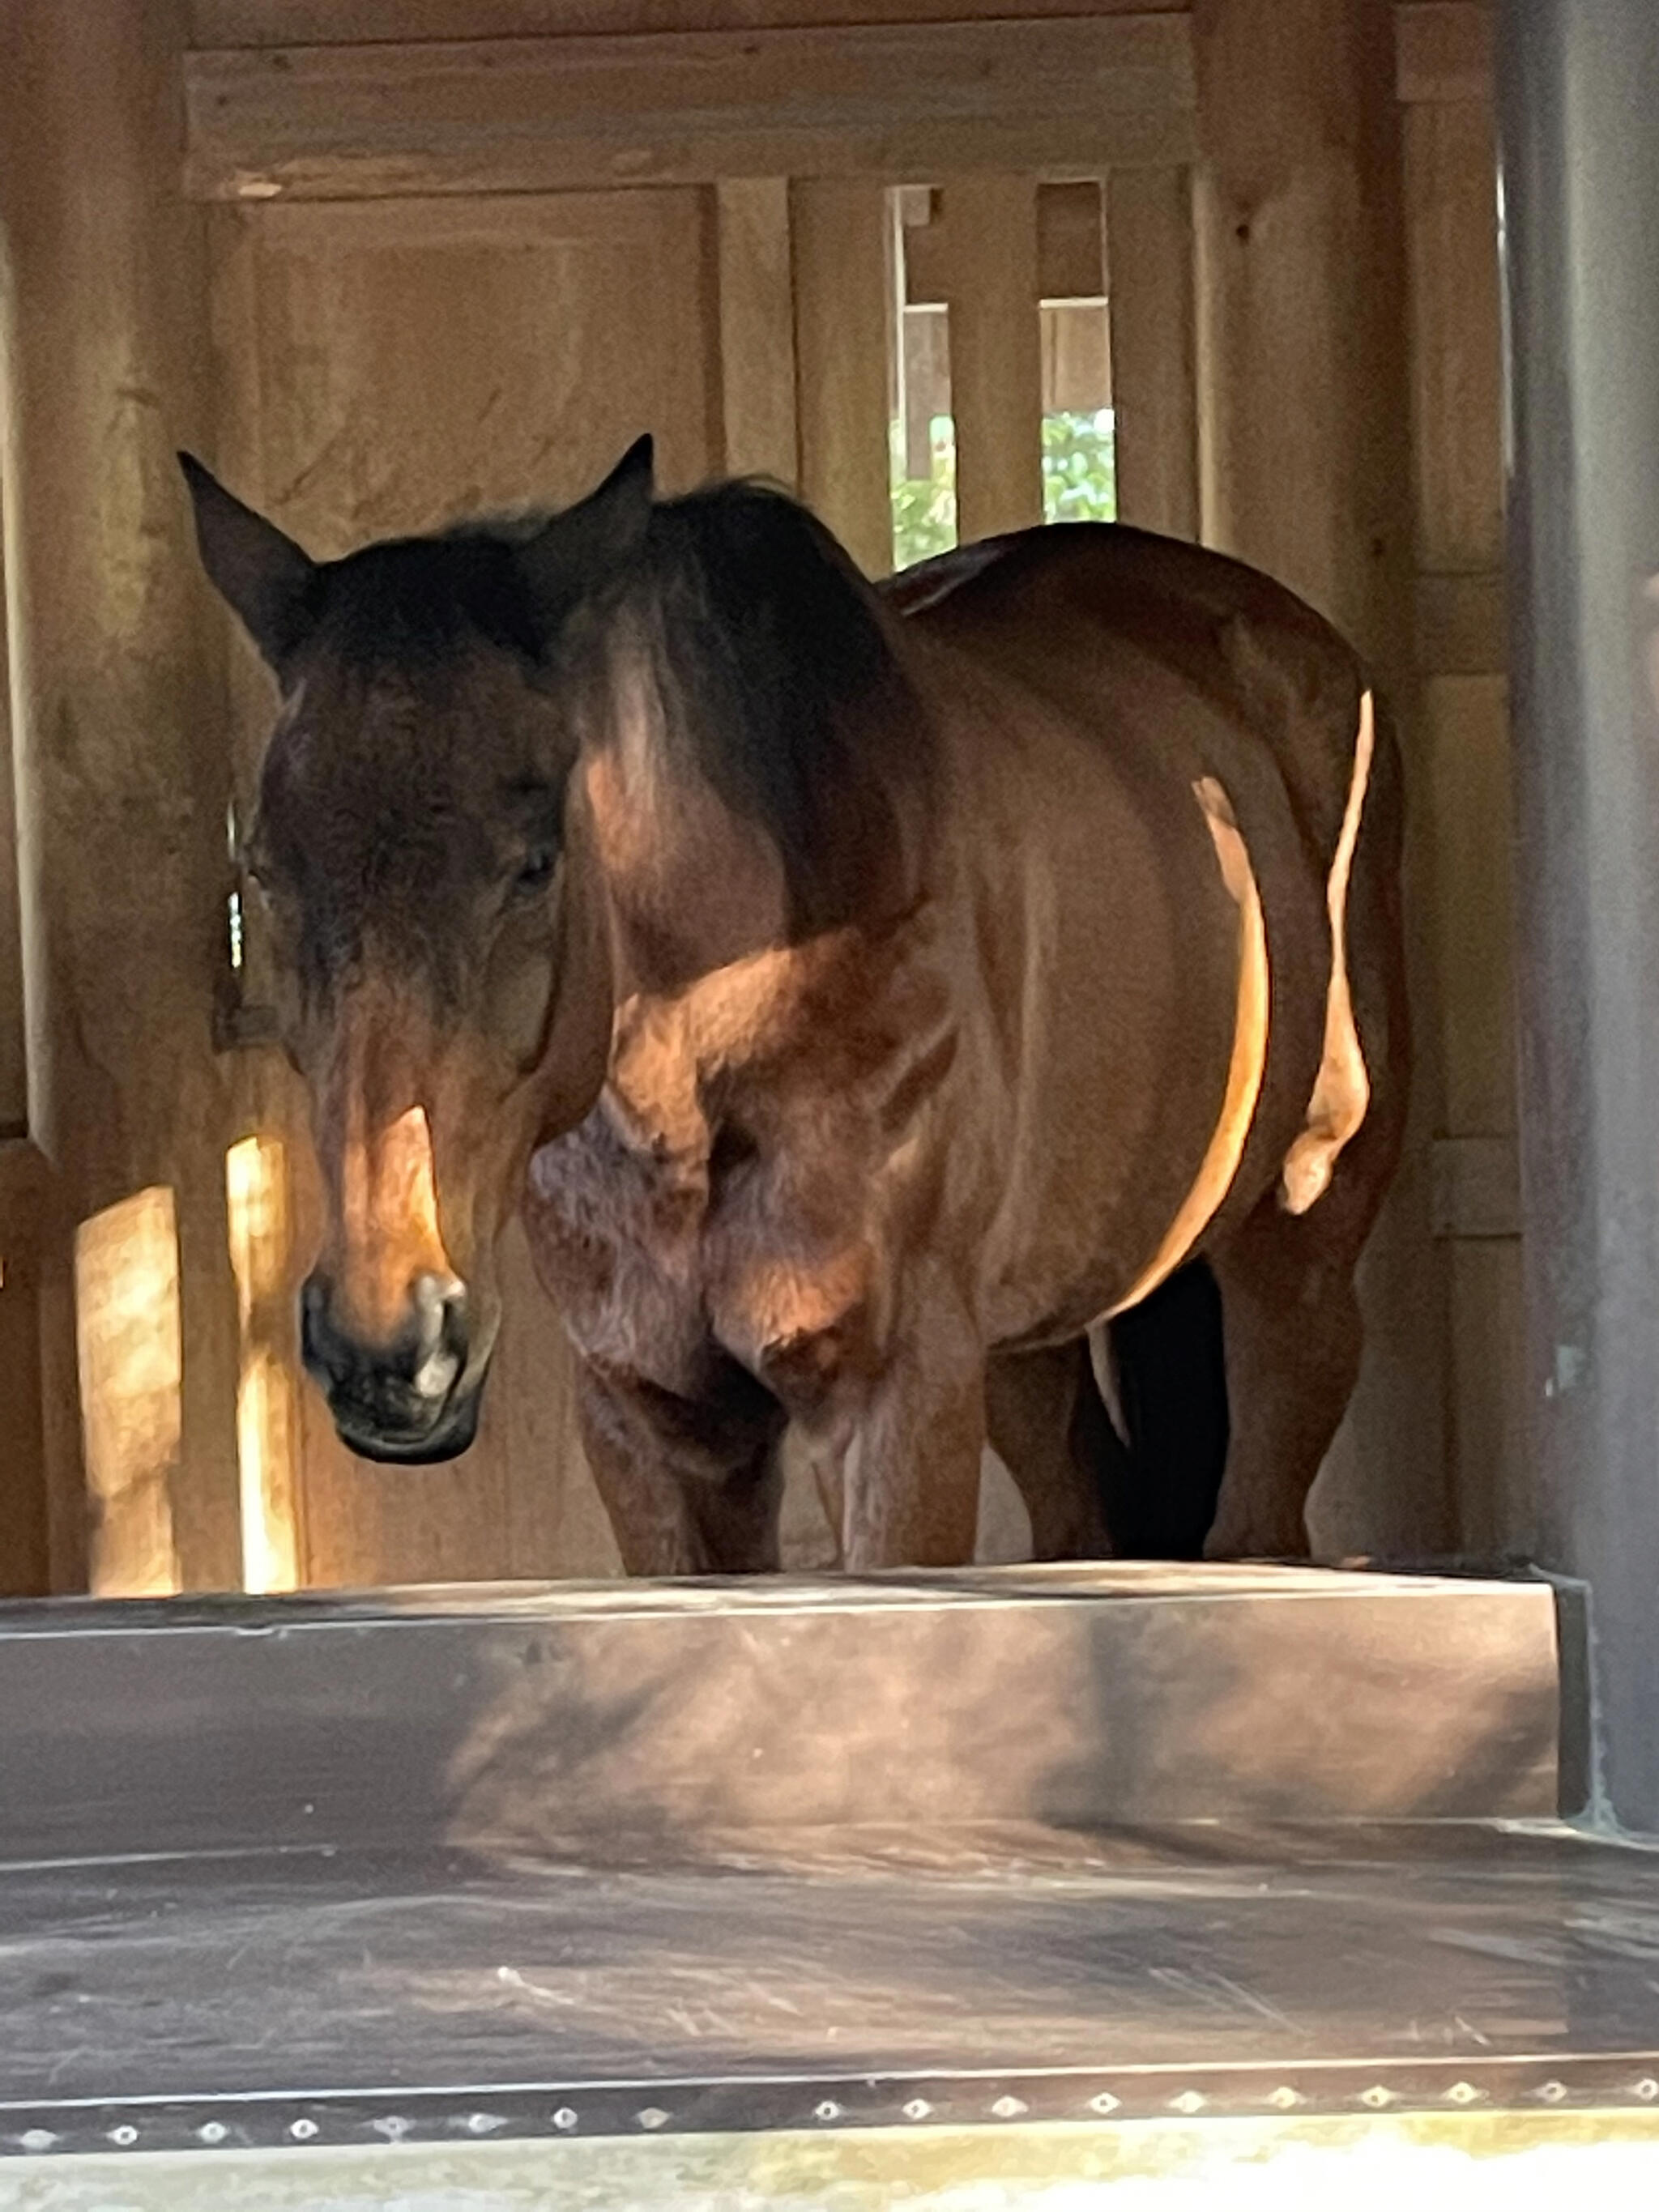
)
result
[(782, 686), (786, 686)]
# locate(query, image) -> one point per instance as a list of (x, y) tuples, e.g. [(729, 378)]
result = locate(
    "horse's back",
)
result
[(1265, 659)]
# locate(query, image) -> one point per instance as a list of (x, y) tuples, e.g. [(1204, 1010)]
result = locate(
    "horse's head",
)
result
[(440, 932)]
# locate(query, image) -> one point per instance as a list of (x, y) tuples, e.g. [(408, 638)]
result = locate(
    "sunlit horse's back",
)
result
[(892, 1010)]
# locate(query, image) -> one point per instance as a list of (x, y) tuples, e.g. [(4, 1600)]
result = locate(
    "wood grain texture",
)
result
[(1149, 214), (758, 330), (1305, 470), (842, 309), (117, 748), (343, 22), (381, 368), (1451, 232), (1461, 624), (1444, 50), (13, 1065), (985, 251), (540, 114)]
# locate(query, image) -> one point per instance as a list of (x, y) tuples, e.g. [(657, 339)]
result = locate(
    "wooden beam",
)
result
[(1456, 352), (1071, 250), (985, 249), (13, 1063), (120, 772), (757, 330), (1443, 50), (348, 23), (1154, 386), (843, 289), (544, 114)]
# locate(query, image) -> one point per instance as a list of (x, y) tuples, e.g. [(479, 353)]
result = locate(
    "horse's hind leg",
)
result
[(1289, 1317), (1039, 1408), (1291, 1337)]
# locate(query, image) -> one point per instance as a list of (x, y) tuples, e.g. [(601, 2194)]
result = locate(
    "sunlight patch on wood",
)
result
[(257, 1205), (129, 1351)]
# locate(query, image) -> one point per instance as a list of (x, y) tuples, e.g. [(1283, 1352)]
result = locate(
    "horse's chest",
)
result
[(617, 1226)]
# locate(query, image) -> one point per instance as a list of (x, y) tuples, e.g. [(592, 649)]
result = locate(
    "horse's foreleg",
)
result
[(691, 1486), (910, 1476), (1039, 1407)]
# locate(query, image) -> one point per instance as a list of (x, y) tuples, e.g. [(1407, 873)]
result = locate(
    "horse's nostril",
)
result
[(440, 1338)]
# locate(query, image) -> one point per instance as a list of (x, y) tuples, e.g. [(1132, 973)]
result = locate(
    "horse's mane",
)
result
[(785, 685), (779, 682)]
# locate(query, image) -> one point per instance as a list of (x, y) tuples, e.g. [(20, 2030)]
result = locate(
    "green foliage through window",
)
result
[(1080, 482)]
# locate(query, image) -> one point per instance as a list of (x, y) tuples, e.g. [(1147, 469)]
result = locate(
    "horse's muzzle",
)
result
[(408, 1403)]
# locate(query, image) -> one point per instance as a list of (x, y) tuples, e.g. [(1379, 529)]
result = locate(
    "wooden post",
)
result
[(1305, 470), (985, 250), (1149, 262), (841, 312), (119, 767), (757, 330)]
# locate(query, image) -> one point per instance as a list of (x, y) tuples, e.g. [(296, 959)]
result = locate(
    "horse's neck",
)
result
[(691, 888)]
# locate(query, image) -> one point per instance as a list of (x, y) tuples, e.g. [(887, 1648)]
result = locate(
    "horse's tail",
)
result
[(1159, 1452)]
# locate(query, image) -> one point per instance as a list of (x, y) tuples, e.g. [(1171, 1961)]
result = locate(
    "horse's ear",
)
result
[(263, 576), (586, 546)]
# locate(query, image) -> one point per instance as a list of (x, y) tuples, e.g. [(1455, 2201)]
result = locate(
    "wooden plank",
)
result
[(1445, 50), (355, 400), (1476, 1186), (842, 299), (13, 1063), (1451, 233), (1071, 244), (986, 249), (24, 1566), (345, 22), (541, 115), (1493, 1495), (1465, 748), (757, 330), (1462, 625), (1154, 376), (120, 792)]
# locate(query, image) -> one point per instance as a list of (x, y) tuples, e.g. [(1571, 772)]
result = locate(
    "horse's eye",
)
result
[(536, 874)]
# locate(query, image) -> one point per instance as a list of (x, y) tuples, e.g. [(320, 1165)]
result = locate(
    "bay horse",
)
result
[(878, 1001)]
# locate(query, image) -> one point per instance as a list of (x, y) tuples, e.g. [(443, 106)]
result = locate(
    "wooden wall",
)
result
[(456, 252)]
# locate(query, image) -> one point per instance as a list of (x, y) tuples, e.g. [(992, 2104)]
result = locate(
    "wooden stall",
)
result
[(386, 261)]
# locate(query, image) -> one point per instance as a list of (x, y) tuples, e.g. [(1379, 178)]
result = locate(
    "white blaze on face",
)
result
[(393, 1267)]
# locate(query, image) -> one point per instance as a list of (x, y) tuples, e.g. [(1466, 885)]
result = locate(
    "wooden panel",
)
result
[(1465, 796), (1149, 218), (1444, 50), (1451, 229), (1477, 1186), (843, 289), (530, 114), (24, 1570), (1071, 250), (14, 1071), (757, 330), (383, 367), (1462, 625), (984, 244), (118, 762), (1497, 1508), (304, 22)]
